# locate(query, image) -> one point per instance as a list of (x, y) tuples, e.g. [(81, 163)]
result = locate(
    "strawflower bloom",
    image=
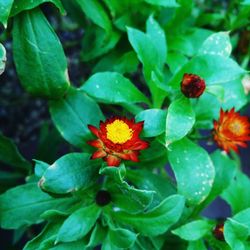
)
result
[(118, 139), (192, 86), (231, 130)]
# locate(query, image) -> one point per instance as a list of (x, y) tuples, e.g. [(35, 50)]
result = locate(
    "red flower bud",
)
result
[(218, 232), (192, 86)]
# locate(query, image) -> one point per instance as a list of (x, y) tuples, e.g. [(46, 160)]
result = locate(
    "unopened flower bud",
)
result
[(103, 198), (192, 86), (218, 232)]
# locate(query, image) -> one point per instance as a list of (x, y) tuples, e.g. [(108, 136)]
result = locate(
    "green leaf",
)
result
[(216, 90), (3, 58), (156, 221), (225, 170), (158, 39), (236, 234), (236, 194), (97, 235), (213, 68), (164, 3), (116, 173), (217, 44), (154, 122), (147, 180), (23, 205), (70, 173), (49, 232), (180, 120), (121, 238), (196, 245), (10, 155), (96, 42), (5, 7), (78, 224), (191, 162), (72, 114), (110, 87), (96, 13), (40, 168), (175, 61), (194, 230), (76, 245), (38, 54), (21, 5)]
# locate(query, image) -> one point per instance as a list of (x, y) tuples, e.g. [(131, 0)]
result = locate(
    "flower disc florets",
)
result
[(231, 130), (118, 138), (192, 86)]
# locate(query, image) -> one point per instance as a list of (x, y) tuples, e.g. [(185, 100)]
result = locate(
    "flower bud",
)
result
[(103, 198), (192, 86), (218, 232)]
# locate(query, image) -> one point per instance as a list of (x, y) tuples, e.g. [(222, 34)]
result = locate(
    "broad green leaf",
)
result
[(122, 238), (147, 180), (10, 155), (5, 7), (196, 245), (124, 196), (96, 42), (21, 5), (39, 57), (156, 221), (2, 58), (194, 230), (217, 44), (236, 194), (78, 224), (216, 90), (180, 120), (225, 171), (70, 173), (110, 87), (96, 13), (154, 122), (213, 69), (191, 162), (23, 205), (164, 3), (236, 234), (72, 114), (97, 235), (158, 39), (76, 245), (48, 233)]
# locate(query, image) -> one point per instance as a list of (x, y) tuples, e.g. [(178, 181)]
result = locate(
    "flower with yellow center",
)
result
[(231, 130), (117, 139)]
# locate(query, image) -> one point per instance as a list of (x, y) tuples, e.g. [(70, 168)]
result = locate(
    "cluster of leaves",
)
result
[(148, 209)]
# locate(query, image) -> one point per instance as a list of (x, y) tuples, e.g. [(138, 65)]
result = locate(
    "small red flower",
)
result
[(118, 138), (192, 86), (231, 130), (218, 232)]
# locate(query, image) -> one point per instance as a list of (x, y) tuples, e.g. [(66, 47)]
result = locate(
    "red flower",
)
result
[(118, 138), (192, 86), (231, 130)]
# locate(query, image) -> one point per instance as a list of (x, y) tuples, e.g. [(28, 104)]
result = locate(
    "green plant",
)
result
[(163, 70)]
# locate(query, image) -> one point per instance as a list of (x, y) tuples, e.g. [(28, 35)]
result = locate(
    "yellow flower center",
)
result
[(119, 132), (237, 127)]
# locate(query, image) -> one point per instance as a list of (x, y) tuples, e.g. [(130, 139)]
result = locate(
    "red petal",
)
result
[(113, 160), (139, 145), (98, 154), (96, 143), (94, 130)]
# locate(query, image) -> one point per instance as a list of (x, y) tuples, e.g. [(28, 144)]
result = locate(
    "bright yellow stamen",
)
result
[(119, 132), (237, 127)]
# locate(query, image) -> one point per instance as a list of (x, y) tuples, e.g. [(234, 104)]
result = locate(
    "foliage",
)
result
[(133, 56)]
